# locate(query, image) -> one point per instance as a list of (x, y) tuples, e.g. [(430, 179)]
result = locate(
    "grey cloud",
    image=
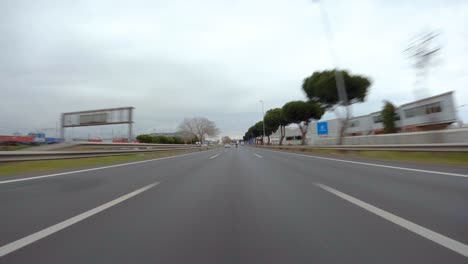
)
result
[(172, 59)]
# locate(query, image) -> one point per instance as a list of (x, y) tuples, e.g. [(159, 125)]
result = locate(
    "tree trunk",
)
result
[(268, 143), (282, 134), (344, 124), (303, 132)]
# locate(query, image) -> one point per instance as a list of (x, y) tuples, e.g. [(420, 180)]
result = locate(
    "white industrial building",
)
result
[(428, 114)]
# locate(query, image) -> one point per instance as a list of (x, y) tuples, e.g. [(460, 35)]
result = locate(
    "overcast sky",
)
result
[(175, 59)]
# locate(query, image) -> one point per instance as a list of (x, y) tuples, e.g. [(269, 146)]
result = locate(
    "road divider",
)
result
[(94, 169), (74, 154)]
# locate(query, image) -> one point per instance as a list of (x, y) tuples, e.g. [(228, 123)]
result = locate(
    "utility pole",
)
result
[(263, 121), (422, 51), (339, 79)]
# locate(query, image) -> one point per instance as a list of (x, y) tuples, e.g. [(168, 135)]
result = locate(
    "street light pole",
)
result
[(263, 121)]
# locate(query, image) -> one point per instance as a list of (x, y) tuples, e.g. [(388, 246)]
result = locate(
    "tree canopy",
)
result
[(259, 129), (255, 131), (322, 93), (321, 87), (248, 135), (388, 117), (251, 132), (300, 113), (274, 119)]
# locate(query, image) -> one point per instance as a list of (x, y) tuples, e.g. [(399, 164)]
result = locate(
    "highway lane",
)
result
[(54, 199), (242, 205), (436, 201)]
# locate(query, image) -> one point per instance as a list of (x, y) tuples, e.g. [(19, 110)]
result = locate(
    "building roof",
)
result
[(376, 112), (427, 98), (356, 117)]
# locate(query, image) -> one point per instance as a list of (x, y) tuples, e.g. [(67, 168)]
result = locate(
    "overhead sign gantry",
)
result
[(100, 117)]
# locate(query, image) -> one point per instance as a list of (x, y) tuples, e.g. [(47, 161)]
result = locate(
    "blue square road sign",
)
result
[(322, 128)]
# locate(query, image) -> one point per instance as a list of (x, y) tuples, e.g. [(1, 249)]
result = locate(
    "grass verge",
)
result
[(23, 167), (12, 148), (436, 158)]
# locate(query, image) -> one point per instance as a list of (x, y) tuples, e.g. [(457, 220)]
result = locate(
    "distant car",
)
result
[(227, 146)]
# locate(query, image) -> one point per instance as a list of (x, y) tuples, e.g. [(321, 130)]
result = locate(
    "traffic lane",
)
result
[(437, 202), (236, 209), (30, 206), (186, 221), (325, 229)]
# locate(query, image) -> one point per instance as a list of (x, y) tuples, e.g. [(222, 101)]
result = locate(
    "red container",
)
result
[(119, 141), (94, 140), (18, 139)]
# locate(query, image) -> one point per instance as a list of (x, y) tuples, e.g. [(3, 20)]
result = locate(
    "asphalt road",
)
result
[(238, 205)]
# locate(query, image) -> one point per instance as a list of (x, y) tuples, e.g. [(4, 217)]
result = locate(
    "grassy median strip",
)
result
[(436, 158), (23, 167), (444, 158), (13, 148)]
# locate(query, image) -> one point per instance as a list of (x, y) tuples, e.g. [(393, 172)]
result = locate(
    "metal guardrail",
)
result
[(105, 145), (129, 144), (69, 154), (444, 147)]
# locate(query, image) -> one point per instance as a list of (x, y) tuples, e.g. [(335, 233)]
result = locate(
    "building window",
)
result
[(377, 119), (423, 110), (433, 108), (354, 123)]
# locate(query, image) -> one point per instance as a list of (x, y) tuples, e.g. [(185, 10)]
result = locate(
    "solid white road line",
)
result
[(258, 155), (376, 165), (422, 231), (215, 156), (93, 169), (6, 249)]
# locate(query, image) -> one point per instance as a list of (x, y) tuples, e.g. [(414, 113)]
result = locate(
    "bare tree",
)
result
[(226, 140), (199, 127)]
